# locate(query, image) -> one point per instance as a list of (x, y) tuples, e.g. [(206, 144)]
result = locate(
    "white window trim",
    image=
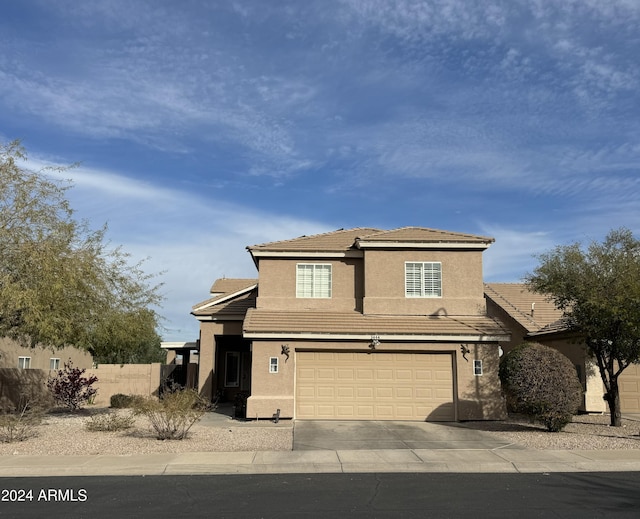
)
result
[(56, 362), (318, 289), (431, 292), (24, 362), (273, 364), (477, 368)]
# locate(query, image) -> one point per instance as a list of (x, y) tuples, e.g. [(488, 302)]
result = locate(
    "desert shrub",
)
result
[(173, 415), (20, 423), (542, 383), (110, 422), (70, 388), (121, 401)]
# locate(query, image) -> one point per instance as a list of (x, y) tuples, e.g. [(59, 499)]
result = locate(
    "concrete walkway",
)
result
[(324, 461)]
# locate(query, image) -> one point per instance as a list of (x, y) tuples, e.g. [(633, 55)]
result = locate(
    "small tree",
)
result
[(70, 388), (542, 383), (598, 291)]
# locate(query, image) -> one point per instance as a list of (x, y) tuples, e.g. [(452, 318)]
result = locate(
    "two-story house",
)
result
[(360, 324)]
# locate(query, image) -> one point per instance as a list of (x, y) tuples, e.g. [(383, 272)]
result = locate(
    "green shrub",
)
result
[(542, 383), (173, 415), (120, 401), (110, 422)]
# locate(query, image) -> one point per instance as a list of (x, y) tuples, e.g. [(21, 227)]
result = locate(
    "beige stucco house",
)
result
[(533, 317), (361, 324), (13, 355)]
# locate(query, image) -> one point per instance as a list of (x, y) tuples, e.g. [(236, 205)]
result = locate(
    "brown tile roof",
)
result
[(259, 321), (345, 239), (335, 241), (237, 306), (516, 300), (230, 285), (425, 235), (223, 288)]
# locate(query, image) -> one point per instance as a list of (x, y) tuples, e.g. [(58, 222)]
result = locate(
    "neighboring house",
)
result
[(13, 355), (533, 317), (357, 324)]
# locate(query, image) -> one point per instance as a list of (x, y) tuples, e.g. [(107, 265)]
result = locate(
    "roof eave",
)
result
[(382, 337), (364, 244)]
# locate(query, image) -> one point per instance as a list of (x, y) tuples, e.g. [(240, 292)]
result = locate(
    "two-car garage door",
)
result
[(374, 386)]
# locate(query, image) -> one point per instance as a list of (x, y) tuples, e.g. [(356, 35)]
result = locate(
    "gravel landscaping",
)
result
[(65, 434), (591, 432)]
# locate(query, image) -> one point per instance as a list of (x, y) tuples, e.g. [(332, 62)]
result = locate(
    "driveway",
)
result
[(335, 435)]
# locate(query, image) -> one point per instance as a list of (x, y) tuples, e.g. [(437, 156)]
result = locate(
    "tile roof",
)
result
[(260, 321), (516, 300), (345, 239), (224, 288), (237, 306), (340, 240), (229, 285), (425, 235)]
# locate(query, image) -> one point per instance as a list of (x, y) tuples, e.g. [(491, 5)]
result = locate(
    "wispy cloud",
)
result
[(189, 240)]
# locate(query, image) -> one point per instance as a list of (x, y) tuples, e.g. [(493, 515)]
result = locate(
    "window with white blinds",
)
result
[(313, 280), (423, 279)]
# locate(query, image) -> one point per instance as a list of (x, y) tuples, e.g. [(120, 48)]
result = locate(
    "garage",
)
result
[(374, 386), (629, 385)]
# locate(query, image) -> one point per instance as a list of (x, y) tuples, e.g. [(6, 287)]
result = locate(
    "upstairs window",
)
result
[(423, 279), (24, 362), (54, 363), (313, 280)]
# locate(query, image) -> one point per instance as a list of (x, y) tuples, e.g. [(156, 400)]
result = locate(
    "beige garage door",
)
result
[(629, 384), (375, 386)]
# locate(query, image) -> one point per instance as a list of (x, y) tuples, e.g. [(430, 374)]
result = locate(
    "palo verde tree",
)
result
[(598, 290), (61, 284)]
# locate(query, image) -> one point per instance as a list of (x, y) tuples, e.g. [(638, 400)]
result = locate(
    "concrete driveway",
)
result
[(336, 435)]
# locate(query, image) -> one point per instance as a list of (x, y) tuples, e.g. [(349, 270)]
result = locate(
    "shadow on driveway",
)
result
[(373, 435)]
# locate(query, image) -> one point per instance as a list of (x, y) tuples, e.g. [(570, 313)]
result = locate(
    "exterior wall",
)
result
[(207, 370), (277, 285), (462, 285), (477, 397), (588, 372), (518, 332), (128, 379), (10, 351), (21, 386)]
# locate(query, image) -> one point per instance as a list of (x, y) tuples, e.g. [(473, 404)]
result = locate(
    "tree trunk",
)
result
[(613, 399)]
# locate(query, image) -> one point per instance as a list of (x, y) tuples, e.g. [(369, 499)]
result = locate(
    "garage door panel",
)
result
[(407, 386), (629, 383)]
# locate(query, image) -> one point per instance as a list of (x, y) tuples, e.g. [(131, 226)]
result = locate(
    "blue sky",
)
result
[(206, 126)]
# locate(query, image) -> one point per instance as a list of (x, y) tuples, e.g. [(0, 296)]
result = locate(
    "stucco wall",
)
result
[(477, 397), (128, 379), (462, 287), (41, 357), (277, 285)]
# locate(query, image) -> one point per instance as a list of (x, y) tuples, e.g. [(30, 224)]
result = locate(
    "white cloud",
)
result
[(191, 240), (513, 253)]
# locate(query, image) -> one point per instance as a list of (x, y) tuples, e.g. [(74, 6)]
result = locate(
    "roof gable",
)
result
[(225, 289), (228, 285)]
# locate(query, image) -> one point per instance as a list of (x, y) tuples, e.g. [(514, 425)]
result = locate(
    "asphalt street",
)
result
[(567, 495)]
